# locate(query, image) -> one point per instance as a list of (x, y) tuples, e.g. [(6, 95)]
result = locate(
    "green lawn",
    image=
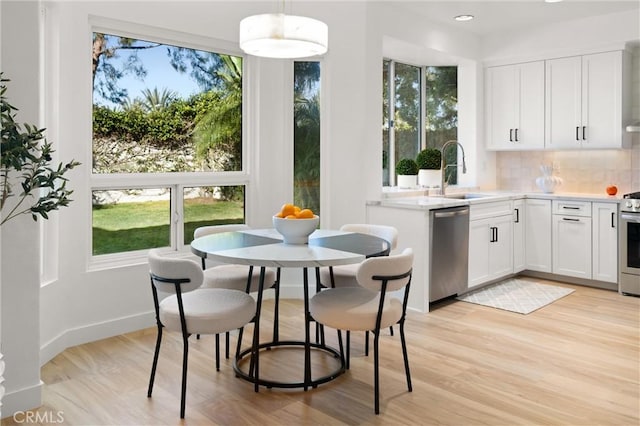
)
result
[(135, 226)]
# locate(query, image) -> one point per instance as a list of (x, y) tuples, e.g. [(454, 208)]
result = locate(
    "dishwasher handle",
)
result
[(451, 213)]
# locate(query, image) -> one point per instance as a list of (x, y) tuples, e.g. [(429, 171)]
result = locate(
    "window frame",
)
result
[(176, 182), (391, 113)]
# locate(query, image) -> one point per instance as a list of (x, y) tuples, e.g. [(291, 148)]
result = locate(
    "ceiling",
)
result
[(499, 16)]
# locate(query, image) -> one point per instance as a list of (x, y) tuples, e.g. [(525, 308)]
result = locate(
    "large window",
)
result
[(306, 132), (420, 110), (167, 142)]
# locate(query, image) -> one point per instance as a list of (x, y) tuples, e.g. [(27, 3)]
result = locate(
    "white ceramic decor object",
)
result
[(407, 181), (428, 178), (547, 182)]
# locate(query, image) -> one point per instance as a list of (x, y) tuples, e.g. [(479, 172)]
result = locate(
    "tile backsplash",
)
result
[(588, 171)]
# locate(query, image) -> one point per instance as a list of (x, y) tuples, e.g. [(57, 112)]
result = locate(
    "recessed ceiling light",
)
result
[(464, 17), (552, 1)]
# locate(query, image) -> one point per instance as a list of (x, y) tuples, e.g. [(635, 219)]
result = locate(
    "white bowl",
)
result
[(296, 231)]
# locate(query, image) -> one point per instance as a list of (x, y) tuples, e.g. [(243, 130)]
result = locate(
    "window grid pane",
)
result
[(306, 136), (128, 220), (209, 205)]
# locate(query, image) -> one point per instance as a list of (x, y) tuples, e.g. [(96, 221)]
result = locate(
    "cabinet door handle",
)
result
[(571, 208), (584, 130), (517, 215), (496, 231), (570, 220), (577, 133), (510, 135), (493, 239), (516, 135), (613, 218)]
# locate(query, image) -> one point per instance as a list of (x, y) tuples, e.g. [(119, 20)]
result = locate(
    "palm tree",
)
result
[(155, 100), (218, 133)]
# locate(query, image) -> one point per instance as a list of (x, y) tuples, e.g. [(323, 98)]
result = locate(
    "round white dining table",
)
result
[(265, 248)]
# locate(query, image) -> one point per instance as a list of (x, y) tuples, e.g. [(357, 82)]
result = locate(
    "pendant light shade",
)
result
[(276, 35)]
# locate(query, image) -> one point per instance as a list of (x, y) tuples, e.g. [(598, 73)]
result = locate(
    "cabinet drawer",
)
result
[(486, 210), (572, 208)]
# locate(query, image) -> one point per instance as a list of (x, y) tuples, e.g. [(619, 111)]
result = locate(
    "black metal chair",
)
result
[(370, 306), (190, 309), (345, 275), (236, 277)]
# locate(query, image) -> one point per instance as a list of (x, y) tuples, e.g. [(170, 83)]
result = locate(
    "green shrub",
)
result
[(429, 159), (406, 166)]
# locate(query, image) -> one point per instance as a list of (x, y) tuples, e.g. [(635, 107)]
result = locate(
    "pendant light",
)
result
[(276, 35)]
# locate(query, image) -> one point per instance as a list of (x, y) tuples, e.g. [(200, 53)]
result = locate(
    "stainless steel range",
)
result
[(630, 244)]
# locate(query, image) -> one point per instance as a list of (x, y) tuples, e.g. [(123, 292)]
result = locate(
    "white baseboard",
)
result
[(13, 403), (92, 332), (97, 331)]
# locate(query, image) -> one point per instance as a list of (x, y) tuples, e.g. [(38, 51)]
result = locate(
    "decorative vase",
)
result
[(407, 181), (429, 177), (547, 182)]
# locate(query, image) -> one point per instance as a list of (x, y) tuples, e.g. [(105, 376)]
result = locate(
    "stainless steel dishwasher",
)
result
[(449, 252)]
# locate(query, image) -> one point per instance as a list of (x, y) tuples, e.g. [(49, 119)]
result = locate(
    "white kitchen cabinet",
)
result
[(585, 103), (515, 106), (605, 242), (490, 244), (538, 235), (572, 246), (519, 217)]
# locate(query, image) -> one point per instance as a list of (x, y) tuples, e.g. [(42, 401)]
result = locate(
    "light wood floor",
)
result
[(574, 362)]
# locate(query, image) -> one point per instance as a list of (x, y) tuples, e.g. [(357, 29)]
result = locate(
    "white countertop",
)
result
[(410, 200)]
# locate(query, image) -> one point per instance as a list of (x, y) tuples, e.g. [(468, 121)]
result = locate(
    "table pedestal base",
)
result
[(245, 358)]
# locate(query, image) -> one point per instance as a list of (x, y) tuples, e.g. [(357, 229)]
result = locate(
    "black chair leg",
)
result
[(348, 363), (406, 357), (239, 343), (376, 373), (185, 356), (341, 348), (155, 362), (366, 343), (226, 343), (276, 315), (391, 330), (217, 352)]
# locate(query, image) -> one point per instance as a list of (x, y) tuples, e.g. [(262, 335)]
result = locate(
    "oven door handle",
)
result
[(635, 218)]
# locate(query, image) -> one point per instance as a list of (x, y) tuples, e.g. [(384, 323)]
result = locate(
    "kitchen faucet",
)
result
[(444, 166)]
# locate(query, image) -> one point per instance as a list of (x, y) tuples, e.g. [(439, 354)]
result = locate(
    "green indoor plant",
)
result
[(429, 159), (26, 160), (407, 171), (429, 162)]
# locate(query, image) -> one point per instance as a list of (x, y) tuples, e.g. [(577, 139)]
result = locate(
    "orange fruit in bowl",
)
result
[(287, 210), (305, 214)]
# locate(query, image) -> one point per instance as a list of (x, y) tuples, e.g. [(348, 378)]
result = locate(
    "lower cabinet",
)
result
[(519, 219), (572, 246), (605, 242), (538, 235), (490, 248)]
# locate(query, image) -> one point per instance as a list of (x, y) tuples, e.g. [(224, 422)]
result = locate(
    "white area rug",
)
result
[(516, 295)]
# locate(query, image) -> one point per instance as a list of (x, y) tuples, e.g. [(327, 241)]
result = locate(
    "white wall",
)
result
[(410, 38), (20, 237), (567, 38)]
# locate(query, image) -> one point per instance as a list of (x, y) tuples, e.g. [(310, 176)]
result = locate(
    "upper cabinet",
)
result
[(565, 103), (515, 106), (584, 101)]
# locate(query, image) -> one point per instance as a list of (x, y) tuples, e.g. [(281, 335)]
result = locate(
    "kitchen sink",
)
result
[(467, 196)]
